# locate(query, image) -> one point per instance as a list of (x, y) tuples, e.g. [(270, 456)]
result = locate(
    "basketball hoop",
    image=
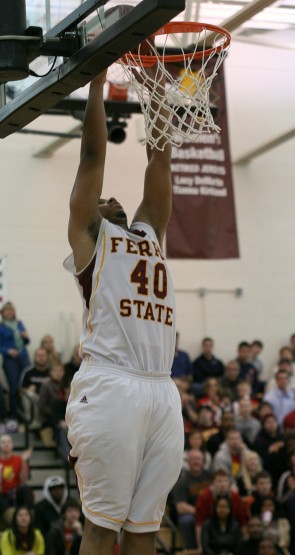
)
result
[(186, 91)]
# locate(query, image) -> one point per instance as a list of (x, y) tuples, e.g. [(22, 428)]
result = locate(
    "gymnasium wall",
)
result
[(34, 196)]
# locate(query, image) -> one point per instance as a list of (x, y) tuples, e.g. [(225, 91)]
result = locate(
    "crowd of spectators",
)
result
[(236, 491), (34, 394)]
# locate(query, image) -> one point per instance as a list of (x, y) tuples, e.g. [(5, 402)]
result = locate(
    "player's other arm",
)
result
[(85, 218), (155, 208)]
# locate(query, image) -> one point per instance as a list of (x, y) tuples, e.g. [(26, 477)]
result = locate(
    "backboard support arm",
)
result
[(84, 65)]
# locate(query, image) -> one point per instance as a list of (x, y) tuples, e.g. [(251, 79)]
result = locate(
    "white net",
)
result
[(178, 110)]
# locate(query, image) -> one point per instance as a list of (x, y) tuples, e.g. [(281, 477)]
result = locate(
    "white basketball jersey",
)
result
[(128, 300)]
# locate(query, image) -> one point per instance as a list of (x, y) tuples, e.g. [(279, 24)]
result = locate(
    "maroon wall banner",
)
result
[(203, 223)]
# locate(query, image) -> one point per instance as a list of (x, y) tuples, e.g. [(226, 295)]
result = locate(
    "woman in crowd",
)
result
[(210, 397), (221, 534), (13, 341), (54, 358), (22, 538), (195, 441), (250, 468)]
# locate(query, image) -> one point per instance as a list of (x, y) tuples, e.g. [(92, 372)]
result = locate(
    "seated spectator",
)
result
[(22, 538), (250, 469), (62, 533), (269, 439), (221, 534), (275, 527), (182, 365), (225, 403), (210, 398), (244, 391), (220, 486), (207, 365), (31, 384), (216, 439), (50, 392), (256, 348), (185, 493), (263, 489), (278, 461), (54, 358), (255, 535), (230, 379), (263, 409), (48, 510), (13, 341), (248, 372), (73, 365), (188, 405), (283, 364), (285, 353), (195, 441), (246, 423), (230, 454), (14, 472), (281, 397), (206, 422)]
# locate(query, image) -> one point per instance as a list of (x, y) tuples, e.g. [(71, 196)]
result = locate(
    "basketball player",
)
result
[(123, 414)]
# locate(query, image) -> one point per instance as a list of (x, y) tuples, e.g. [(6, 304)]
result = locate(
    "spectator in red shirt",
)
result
[(220, 486), (13, 476)]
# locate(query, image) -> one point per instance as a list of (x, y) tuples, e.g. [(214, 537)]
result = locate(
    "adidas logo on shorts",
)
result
[(84, 399)]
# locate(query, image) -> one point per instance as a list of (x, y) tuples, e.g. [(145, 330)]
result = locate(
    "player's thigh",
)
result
[(105, 423), (161, 465)]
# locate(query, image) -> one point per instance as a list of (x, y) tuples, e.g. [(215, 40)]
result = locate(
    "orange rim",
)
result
[(181, 27)]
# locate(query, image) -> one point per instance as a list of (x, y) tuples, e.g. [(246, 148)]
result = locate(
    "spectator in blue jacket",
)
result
[(181, 364), (13, 341)]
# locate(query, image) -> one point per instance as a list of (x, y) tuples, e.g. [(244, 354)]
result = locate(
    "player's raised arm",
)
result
[(156, 205), (84, 214)]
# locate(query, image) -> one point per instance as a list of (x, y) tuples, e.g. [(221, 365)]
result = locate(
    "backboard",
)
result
[(79, 40)]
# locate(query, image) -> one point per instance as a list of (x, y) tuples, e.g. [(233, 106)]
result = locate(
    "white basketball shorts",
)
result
[(126, 433)]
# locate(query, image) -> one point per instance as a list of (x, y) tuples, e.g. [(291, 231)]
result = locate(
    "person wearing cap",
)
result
[(48, 510), (13, 341)]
